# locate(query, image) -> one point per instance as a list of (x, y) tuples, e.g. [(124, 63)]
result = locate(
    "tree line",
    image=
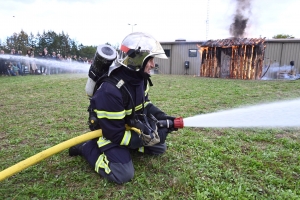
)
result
[(60, 43)]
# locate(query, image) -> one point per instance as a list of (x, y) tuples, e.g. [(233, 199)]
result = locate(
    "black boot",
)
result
[(76, 150)]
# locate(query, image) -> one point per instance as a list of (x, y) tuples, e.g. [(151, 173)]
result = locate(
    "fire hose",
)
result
[(176, 123)]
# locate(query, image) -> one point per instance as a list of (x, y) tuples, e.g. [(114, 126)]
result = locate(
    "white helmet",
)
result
[(136, 47)]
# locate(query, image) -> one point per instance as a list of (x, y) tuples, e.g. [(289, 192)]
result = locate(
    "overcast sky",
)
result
[(94, 22)]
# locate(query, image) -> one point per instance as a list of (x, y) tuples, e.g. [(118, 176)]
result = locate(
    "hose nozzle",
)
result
[(168, 123)]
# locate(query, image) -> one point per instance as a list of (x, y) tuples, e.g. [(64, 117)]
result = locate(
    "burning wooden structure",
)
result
[(236, 58)]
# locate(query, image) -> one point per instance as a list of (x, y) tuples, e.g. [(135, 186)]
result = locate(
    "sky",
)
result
[(94, 22)]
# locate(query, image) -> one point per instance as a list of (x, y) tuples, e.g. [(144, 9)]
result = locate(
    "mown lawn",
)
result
[(38, 112)]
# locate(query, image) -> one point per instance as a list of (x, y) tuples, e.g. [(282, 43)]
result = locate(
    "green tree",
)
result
[(57, 42), (88, 51), (73, 47), (32, 42), (283, 36), (18, 41)]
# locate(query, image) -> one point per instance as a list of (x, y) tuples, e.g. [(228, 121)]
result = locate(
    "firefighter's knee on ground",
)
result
[(157, 149), (120, 173)]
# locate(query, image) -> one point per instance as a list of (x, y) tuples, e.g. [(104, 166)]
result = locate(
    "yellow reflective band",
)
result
[(110, 115), (102, 162), (139, 107), (126, 138), (141, 149), (147, 89), (102, 142), (128, 112)]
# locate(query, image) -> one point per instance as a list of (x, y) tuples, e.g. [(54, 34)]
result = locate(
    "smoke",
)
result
[(241, 17)]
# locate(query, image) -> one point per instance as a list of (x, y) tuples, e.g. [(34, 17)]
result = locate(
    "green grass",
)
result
[(38, 112)]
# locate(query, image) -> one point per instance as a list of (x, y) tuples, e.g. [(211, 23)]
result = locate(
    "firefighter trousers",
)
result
[(115, 164)]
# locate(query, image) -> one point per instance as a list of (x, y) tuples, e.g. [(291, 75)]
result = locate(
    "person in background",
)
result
[(19, 64), (44, 68), (9, 69), (59, 58), (3, 70), (15, 69), (26, 61), (16, 60), (26, 64), (74, 58), (292, 71), (12, 51), (69, 60), (53, 68), (85, 60), (33, 64)]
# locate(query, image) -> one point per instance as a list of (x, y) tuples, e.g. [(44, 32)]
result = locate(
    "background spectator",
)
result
[(45, 56), (10, 71), (2, 64)]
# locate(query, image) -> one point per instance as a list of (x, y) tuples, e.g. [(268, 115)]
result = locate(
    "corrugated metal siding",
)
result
[(272, 53), (179, 53), (290, 52), (164, 65), (283, 52)]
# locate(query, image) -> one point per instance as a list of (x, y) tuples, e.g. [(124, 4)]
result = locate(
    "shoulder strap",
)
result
[(120, 84)]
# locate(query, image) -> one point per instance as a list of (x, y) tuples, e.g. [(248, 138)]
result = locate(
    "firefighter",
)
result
[(109, 155)]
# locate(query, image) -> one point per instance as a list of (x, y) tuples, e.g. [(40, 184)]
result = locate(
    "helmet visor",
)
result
[(137, 47)]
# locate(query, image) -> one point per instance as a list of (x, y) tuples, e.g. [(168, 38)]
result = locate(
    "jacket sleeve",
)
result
[(156, 112), (108, 105)]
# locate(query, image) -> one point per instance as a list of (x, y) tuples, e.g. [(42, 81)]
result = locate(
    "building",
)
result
[(280, 51), (235, 58), (183, 58), (278, 56)]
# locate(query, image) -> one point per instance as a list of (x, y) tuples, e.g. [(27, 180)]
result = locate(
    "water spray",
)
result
[(282, 114), (79, 67)]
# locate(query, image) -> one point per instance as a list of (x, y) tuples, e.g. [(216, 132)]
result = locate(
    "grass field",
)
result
[(38, 112)]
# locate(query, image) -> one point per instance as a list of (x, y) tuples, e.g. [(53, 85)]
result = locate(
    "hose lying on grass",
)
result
[(47, 153)]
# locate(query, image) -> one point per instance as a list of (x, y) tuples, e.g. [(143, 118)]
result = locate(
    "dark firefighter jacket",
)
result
[(107, 102)]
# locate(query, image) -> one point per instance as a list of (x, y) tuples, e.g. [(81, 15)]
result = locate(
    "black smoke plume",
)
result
[(239, 24)]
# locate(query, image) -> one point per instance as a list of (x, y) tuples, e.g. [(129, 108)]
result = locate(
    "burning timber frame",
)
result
[(235, 58)]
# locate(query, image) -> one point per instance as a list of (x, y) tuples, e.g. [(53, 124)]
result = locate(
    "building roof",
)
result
[(233, 42), (182, 41), (230, 41)]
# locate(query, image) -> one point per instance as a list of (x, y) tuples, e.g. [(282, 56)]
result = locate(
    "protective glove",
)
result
[(163, 133), (148, 129), (147, 140)]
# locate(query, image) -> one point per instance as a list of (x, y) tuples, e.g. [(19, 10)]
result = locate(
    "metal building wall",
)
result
[(282, 51), (164, 65), (179, 53)]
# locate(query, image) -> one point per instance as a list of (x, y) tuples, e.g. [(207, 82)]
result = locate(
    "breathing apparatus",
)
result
[(104, 57)]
